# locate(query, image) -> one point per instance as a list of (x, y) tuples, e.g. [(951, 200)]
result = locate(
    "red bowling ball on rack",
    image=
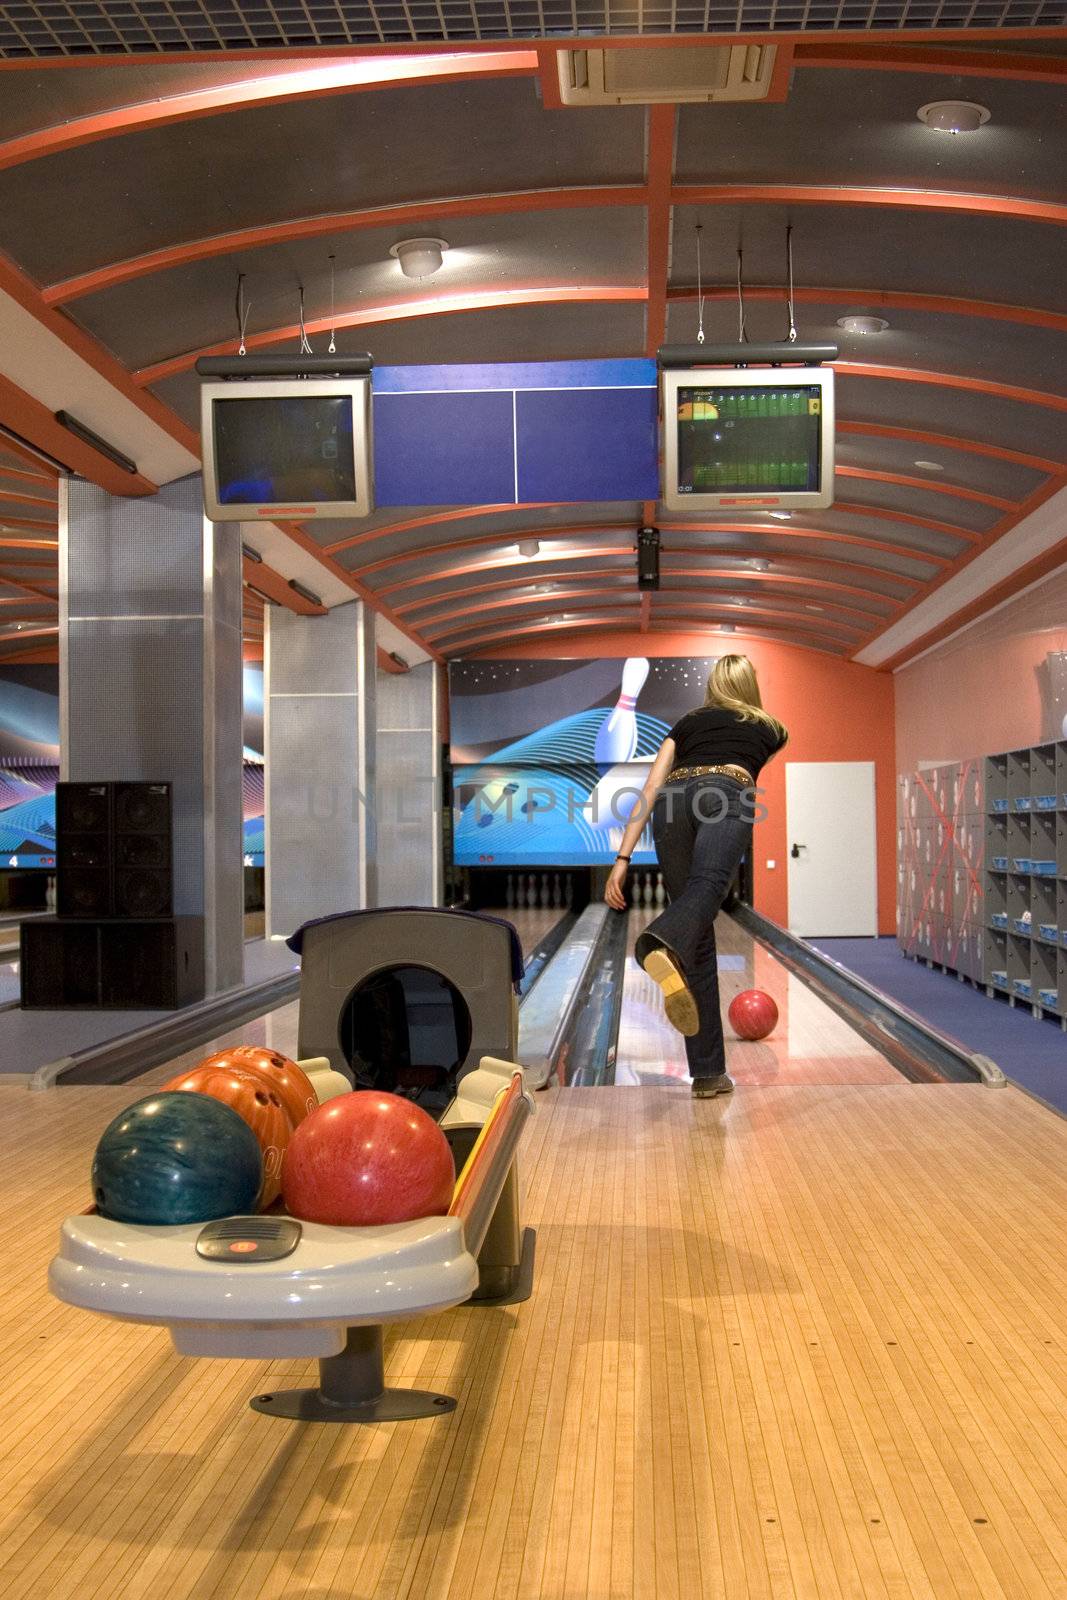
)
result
[(753, 1014), (365, 1158)]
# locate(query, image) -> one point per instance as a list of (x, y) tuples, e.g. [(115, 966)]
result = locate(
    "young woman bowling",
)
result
[(701, 793)]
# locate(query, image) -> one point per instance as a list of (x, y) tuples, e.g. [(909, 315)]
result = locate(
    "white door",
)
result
[(832, 850)]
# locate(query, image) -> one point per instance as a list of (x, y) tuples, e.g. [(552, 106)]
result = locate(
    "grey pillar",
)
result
[(318, 704), (409, 788), (150, 682)]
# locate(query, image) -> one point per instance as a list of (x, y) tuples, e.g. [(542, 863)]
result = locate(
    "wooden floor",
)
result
[(807, 1343)]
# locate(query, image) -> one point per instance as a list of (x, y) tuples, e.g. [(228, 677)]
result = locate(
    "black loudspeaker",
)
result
[(648, 558), (152, 964), (83, 849), (142, 883), (113, 850)]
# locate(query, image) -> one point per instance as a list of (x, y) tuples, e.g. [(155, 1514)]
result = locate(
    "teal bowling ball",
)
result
[(176, 1157)]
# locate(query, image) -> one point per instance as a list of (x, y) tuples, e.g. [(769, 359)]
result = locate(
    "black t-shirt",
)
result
[(714, 737)]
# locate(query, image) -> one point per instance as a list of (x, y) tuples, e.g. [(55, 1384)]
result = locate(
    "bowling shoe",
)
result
[(678, 1001), (707, 1088)]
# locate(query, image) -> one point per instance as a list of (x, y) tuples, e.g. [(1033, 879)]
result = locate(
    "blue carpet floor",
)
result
[(1032, 1053)]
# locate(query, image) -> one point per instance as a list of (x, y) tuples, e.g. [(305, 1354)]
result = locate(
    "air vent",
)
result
[(689, 73)]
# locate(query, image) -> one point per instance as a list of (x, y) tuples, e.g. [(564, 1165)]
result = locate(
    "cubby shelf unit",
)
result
[(982, 873)]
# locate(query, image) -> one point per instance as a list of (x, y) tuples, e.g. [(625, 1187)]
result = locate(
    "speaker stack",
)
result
[(115, 941)]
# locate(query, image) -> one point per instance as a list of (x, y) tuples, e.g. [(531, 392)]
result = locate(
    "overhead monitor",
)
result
[(287, 447), (747, 439)]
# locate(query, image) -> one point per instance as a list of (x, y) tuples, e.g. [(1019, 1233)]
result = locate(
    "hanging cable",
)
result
[(305, 347), (742, 331), (242, 308), (789, 275), (700, 291), (332, 346)]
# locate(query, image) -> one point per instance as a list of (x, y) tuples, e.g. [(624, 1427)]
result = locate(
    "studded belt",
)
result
[(681, 774)]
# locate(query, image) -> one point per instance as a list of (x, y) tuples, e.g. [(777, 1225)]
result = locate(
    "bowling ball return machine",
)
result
[(272, 1287)]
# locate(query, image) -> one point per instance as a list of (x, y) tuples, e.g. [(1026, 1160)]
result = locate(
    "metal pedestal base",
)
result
[(508, 1286), (352, 1389)]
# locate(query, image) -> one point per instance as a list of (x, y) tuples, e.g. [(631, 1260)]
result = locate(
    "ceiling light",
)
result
[(862, 324), (953, 116), (780, 516), (726, 627), (929, 466), (759, 564), (529, 548), (814, 608), (419, 258)]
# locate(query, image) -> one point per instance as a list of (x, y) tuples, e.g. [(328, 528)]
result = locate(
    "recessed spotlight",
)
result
[(780, 516), (929, 466), (529, 548), (759, 564), (953, 116), (419, 258), (726, 627), (862, 324), (815, 608)]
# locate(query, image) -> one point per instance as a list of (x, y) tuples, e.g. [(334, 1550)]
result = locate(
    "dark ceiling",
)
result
[(573, 234)]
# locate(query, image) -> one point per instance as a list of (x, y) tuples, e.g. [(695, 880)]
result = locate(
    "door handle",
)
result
[(797, 848)]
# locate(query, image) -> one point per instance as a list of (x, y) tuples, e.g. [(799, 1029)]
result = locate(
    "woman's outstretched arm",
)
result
[(635, 827)]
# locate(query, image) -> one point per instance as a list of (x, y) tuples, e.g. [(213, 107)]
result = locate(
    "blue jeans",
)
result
[(702, 829)]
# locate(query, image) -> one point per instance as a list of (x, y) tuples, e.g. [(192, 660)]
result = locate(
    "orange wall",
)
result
[(990, 688), (834, 710)]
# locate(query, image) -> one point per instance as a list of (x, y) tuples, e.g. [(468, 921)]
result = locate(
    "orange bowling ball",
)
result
[(251, 1096), (292, 1085)]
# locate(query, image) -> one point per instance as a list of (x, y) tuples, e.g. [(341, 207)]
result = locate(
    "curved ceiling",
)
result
[(133, 192)]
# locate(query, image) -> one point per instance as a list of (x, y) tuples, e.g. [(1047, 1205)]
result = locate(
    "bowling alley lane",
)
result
[(811, 1044)]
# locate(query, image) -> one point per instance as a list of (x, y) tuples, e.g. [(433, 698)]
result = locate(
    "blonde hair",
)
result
[(733, 686)]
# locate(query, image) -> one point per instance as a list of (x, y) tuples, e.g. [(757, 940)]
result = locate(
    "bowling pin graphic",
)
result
[(616, 738), (616, 742)]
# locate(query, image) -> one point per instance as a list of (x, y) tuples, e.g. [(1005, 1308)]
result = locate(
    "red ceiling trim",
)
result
[(765, 579), (310, 82), (548, 77), (371, 313), (27, 416), (14, 282), (662, 122), (1002, 528), (954, 380), (27, 544), (306, 542), (550, 535), (601, 617), (27, 522), (432, 519), (949, 441), (10, 497), (960, 63), (17, 472), (986, 205), (276, 588), (955, 490), (894, 299), (407, 214)]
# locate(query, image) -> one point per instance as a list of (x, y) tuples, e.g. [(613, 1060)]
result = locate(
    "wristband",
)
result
[(622, 858)]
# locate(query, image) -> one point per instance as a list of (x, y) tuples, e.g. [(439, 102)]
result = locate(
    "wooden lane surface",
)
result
[(811, 1043), (804, 1344)]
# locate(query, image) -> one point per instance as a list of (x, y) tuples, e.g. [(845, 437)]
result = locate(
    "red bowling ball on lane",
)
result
[(367, 1158), (753, 1014)]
